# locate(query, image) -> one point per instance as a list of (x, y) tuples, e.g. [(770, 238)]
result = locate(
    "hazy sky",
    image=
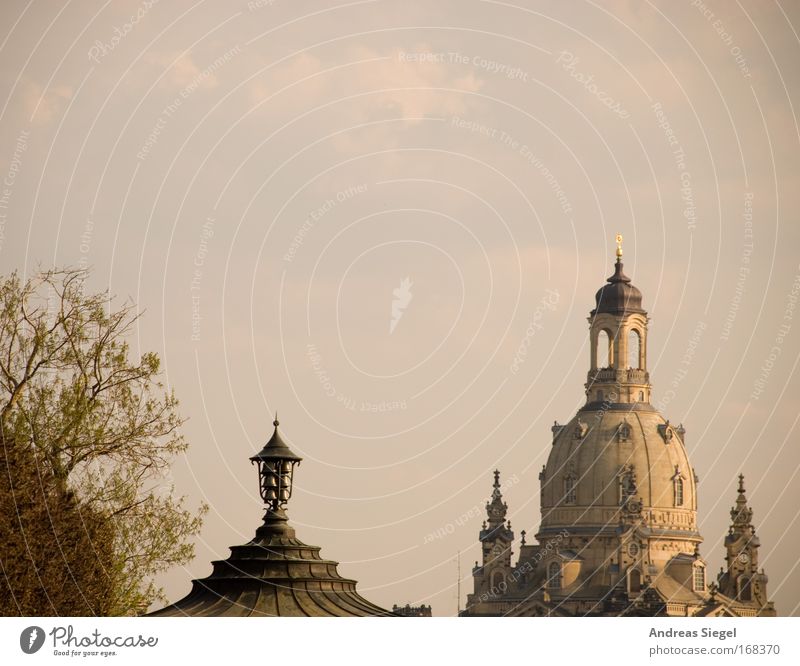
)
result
[(269, 180)]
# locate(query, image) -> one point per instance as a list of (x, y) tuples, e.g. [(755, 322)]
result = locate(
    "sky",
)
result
[(387, 221)]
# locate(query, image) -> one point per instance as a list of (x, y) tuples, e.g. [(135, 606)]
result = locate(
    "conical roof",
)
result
[(274, 574), (276, 448)]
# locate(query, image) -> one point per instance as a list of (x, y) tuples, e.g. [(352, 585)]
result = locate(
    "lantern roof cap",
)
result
[(619, 296), (275, 448)]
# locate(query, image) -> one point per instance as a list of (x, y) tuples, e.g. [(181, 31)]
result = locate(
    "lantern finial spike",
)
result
[(276, 423)]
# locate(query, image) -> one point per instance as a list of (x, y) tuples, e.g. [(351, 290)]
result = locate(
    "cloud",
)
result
[(43, 106), (184, 72), (382, 85)]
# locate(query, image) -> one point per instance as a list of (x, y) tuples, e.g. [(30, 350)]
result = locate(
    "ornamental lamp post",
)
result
[(274, 573), (275, 464)]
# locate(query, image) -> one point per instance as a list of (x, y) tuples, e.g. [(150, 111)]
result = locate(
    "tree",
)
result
[(54, 553), (98, 424)]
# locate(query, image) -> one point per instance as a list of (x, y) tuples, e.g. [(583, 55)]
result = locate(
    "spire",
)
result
[(496, 539), (497, 508), (741, 578), (741, 514)]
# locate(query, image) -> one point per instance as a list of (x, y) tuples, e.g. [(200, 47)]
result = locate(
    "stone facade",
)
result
[(618, 532)]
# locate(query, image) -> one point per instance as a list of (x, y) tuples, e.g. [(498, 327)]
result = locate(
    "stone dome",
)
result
[(618, 534), (601, 456)]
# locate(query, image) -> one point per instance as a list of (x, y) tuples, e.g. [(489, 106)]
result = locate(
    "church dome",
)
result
[(630, 457), (619, 295), (618, 532)]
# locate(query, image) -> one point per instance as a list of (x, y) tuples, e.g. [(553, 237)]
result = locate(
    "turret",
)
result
[(618, 342), (740, 579), (492, 576)]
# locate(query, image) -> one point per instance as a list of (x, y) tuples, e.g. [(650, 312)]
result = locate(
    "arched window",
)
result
[(635, 580), (699, 578), (554, 575), (745, 588), (600, 396), (605, 357), (569, 489), (498, 582), (678, 491), (634, 349), (641, 396)]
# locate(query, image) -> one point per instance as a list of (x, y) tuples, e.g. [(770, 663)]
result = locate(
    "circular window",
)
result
[(633, 549)]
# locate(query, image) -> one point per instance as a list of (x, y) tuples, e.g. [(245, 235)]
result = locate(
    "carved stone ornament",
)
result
[(666, 431), (627, 480)]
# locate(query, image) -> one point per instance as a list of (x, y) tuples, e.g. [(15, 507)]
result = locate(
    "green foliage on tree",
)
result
[(99, 427)]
